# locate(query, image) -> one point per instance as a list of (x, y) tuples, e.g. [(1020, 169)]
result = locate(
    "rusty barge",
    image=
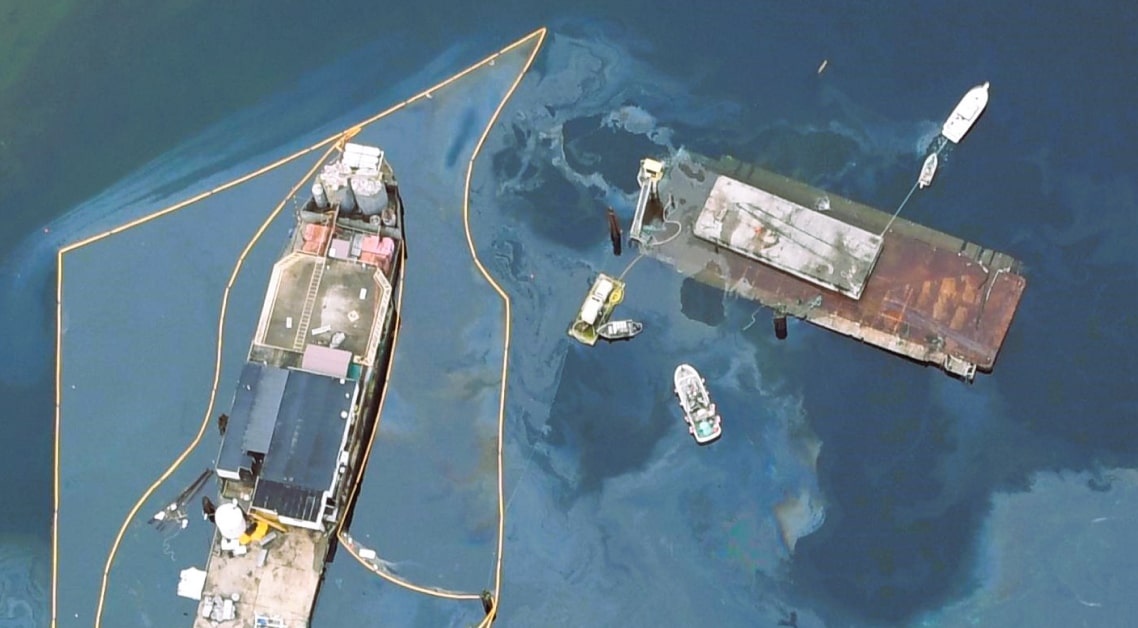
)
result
[(836, 263)]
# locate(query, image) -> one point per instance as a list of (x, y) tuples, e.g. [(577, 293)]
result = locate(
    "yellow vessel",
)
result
[(602, 299)]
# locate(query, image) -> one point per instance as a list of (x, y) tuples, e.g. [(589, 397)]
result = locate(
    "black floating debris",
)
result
[(173, 512), (614, 232), (208, 508), (780, 326)]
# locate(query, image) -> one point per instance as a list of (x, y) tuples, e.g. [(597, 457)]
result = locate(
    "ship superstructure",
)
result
[(305, 407)]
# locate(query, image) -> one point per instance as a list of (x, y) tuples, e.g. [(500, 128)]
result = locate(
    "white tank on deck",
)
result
[(230, 520), (335, 181), (371, 195), (318, 195)]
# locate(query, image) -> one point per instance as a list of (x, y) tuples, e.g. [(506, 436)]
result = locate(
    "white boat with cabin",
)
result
[(966, 112), (620, 330), (927, 171), (699, 412)]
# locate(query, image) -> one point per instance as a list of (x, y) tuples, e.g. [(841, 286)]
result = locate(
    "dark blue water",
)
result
[(1005, 502)]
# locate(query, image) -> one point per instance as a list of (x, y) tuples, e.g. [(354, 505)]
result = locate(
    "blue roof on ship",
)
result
[(296, 420)]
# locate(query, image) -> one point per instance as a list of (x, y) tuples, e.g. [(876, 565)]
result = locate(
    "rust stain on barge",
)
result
[(931, 297)]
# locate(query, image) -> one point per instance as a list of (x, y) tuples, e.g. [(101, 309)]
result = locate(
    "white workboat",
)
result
[(699, 412)]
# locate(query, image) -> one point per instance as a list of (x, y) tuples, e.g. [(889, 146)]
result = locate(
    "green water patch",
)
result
[(26, 29)]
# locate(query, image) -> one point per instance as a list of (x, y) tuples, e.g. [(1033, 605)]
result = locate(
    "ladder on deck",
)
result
[(309, 304)]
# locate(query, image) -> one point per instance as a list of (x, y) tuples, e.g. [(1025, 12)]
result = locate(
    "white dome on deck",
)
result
[(230, 520)]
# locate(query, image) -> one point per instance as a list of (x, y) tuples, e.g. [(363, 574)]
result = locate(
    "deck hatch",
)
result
[(794, 239)]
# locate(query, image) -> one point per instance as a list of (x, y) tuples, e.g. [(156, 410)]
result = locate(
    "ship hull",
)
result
[(307, 405)]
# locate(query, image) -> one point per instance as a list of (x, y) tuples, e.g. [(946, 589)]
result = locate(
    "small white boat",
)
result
[(927, 171), (699, 412), (966, 112), (620, 330)]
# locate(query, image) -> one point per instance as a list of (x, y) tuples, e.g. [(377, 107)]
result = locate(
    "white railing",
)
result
[(381, 313)]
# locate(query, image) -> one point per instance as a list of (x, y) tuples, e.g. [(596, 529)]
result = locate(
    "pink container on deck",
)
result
[(379, 251)]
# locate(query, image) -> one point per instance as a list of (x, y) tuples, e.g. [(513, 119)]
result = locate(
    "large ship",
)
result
[(295, 438), (849, 268), (966, 113)]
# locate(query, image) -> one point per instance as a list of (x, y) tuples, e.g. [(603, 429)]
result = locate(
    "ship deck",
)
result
[(276, 582), (332, 294), (931, 297), (330, 283)]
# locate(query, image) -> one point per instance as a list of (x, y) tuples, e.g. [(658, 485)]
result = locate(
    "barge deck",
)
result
[(920, 293)]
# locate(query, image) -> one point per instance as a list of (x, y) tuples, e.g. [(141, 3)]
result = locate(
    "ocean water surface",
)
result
[(850, 488)]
